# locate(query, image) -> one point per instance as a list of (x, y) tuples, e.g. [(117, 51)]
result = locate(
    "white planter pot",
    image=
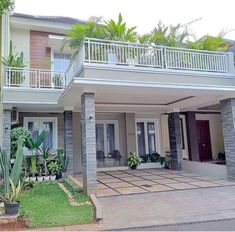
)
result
[(40, 178), (33, 178), (52, 177), (150, 165), (12, 161), (46, 178)]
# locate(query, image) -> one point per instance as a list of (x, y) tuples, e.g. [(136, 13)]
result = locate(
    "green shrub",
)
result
[(15, 133)]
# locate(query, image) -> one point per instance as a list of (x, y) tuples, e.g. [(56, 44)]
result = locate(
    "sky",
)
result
[(215, 15)]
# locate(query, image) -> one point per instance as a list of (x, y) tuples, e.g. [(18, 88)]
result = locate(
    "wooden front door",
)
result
[(204, 140)]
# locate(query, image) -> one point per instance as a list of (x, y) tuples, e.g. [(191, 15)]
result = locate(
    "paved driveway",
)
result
[(117, 183)]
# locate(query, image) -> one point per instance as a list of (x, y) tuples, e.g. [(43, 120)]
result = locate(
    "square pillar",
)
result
[(175, 140), (191, 125), (6, 143), (68, 139), (228, 124), (88, 143)]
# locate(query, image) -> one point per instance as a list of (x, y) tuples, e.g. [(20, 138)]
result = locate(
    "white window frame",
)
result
[(45, 119), (116, 133), (157, 133)]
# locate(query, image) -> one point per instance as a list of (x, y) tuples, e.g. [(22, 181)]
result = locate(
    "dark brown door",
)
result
[(204, 140)]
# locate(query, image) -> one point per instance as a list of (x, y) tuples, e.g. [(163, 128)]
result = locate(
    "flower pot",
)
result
[(52, 177), (11, 208), (59, 176), (46, 178), (33, 178), (133, 167), (40, 178)]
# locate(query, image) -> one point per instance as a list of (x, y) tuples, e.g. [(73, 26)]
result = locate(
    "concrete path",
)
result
[(166, 208)]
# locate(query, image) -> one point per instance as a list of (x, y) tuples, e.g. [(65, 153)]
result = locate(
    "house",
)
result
[(118, 96)]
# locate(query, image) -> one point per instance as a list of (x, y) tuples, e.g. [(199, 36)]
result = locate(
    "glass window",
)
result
[(151, 137), (61, 62), (141, 138), (99, 137), (110, 138)]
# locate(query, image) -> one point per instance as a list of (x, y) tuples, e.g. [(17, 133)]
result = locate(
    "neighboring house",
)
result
[(119, 96)]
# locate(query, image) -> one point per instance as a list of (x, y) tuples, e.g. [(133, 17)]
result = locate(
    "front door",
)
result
[(204, 140)]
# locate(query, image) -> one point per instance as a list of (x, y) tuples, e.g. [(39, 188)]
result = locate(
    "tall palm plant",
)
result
[(119, 30), (80, 31)]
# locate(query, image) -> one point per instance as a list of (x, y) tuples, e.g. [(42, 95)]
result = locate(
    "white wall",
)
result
[(216, 133), (21, 43)]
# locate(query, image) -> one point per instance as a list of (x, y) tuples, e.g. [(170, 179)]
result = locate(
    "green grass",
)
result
[(46, 205)]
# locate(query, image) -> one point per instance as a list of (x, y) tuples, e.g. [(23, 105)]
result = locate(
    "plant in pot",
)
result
[(62, 160), (10, 199), (46, 155), (40, 177), (33, 167), (133, 160), (11, 179), (54, 169)]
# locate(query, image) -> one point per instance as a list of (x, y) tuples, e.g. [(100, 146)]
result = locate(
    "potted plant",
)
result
[(33, 167), (54, 169), (62, 160), (10, 199), (46, 154), (133, 160), (39, 177)]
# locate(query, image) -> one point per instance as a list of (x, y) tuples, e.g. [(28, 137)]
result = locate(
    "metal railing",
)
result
[(97, 51), (34, 78)]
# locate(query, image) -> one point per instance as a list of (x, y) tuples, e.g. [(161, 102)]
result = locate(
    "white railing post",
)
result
[(89, 50), (38, 79), (230, 62)]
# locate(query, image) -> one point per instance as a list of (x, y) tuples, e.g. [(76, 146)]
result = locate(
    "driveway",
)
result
[(129, 202)]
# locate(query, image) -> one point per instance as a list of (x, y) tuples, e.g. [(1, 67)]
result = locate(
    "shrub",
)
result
[(15, 133)]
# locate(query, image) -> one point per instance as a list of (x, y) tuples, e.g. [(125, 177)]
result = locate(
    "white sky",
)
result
[(145, 14)]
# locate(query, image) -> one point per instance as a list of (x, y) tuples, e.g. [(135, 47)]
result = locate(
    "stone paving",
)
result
[(127, 182)]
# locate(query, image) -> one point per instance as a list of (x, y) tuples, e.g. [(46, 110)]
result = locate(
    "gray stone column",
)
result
[(175, 140), (68, 139), (192, 136), (6, 143), (88, 143), (228, 124)]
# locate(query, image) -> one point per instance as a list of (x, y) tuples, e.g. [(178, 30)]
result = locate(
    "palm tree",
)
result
[(80, 31), (119, 31)]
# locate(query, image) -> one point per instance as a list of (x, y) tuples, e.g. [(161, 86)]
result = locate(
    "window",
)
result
[(107, 136), (146, 136), (61, 62), (36, 125)]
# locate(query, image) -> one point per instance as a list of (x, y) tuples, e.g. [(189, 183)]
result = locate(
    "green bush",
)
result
[(15, 133)]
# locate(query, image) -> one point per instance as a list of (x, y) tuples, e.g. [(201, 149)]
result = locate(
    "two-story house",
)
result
[(116, 96)]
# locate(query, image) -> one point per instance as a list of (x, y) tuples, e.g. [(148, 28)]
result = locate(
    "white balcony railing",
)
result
[(133, 55), (34, 78)]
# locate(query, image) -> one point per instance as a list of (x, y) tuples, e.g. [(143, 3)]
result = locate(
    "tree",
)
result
[(80, 31), (119, 31), (6, 5)]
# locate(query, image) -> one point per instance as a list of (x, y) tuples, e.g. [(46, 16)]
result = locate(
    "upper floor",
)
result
[(51, 74)]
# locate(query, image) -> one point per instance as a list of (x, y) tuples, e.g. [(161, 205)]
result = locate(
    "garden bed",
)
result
[(47, 205)]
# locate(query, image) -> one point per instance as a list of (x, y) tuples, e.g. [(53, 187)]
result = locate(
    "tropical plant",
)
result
[(208, 43), (27, 184), (14, 134), (6, 5), (79, 32), (46, 154), (119, 31), (14, 59), (13, 195), (53, 167), (16, 169), (33, 164), (133, 160), (62, 160), (34, 145)]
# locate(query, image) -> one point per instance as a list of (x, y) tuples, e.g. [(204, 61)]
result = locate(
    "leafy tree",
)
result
[(6, 5), (119, 31), (80, 31)]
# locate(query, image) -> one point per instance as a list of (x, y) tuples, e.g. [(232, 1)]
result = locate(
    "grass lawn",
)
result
[(46, 205)]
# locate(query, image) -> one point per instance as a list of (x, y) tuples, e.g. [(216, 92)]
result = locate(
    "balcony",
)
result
[(136, 56), (34, 78)]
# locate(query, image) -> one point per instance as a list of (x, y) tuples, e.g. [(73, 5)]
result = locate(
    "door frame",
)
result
[(157, 135)]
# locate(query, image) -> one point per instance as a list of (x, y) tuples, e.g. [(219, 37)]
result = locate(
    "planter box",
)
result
[(150, 165)]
